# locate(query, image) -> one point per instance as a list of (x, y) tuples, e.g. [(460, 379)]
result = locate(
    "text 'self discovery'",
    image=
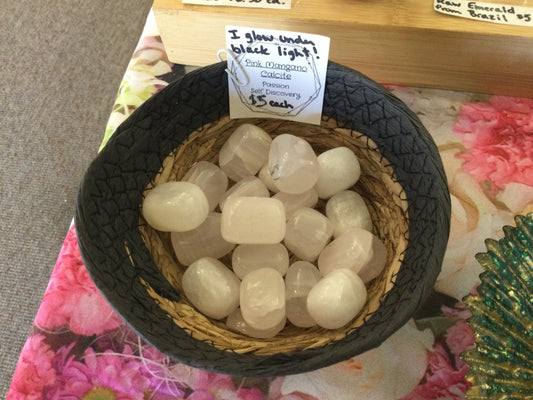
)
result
[(276, 74)]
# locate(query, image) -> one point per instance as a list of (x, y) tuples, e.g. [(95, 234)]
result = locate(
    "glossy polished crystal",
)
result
[(249, 257), (175, 207), (250, 186), (338, 169), (236, 322), (262, 298), (347, 210), (299, 280), (336, 299), (204, 241), (308, 232), (245, 152), (253, 220), (292, 163), (293, 202), (211, 287), (356, 249), (210, 178), (266, 178)]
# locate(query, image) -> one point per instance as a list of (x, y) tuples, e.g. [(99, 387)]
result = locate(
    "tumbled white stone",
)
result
[(236, 323), (356, 249), (210, 178), (204, 241), (372, 269), (338, 170), (175, 207), (245, 152), (308, 231), (250, 186), (347, 210), (299, 280), (211, 287), (293, 202), (292, 163), (262, 298), (249, 257), (336, 299), (266, 178), (253, 220)]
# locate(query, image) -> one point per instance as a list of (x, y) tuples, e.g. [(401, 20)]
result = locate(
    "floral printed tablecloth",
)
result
[(80, 349)]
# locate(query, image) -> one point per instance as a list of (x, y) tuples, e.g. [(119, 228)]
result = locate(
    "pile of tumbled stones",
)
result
[(264, 220)]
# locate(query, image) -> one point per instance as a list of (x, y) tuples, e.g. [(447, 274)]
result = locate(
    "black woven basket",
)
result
[(402, 179)]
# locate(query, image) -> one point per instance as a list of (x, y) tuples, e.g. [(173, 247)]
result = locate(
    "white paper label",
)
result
[(277, 4), (281, 74), (490, 12)]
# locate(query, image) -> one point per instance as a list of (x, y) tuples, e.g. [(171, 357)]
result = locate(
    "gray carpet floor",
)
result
[(61, 63)]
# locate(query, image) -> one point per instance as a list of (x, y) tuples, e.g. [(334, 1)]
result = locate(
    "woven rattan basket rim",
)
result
[(384, 196)]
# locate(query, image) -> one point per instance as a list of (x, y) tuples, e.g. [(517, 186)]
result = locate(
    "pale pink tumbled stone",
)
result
[(250, 186), (245, 152), (336, 299), (372, 269), (262, 298), (338, 169), (346, 210), (293, 202), (211, 287), (292, 163), (204, 241), (299, 280), (210, 178), (236, 323), (253, 220), (356, 249), (266, 178), (175, 207), (249, 257), (308, 232)]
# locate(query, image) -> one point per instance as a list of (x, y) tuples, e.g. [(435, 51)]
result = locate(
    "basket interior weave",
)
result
[(382, 193)]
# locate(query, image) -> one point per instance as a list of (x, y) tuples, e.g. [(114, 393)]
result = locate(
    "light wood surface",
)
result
[(396, 41)]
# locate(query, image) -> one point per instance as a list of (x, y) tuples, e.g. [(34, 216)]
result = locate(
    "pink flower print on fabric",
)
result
[(219, 386), (178, 380), (274, 392), (498, 136), (250, 394), (105, 375), (165, 377), (34, 370), (445, 376), (389, 371), (459, 337), (442, 380), (71, 299), (200, 395)]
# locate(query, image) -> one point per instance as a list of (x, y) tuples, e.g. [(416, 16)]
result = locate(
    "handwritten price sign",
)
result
[(276, 74), (490, 12)]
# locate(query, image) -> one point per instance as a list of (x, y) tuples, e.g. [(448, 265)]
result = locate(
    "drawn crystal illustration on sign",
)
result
[(277, 98)]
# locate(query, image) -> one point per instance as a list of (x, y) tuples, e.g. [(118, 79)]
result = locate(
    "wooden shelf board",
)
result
[(398, 41)]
